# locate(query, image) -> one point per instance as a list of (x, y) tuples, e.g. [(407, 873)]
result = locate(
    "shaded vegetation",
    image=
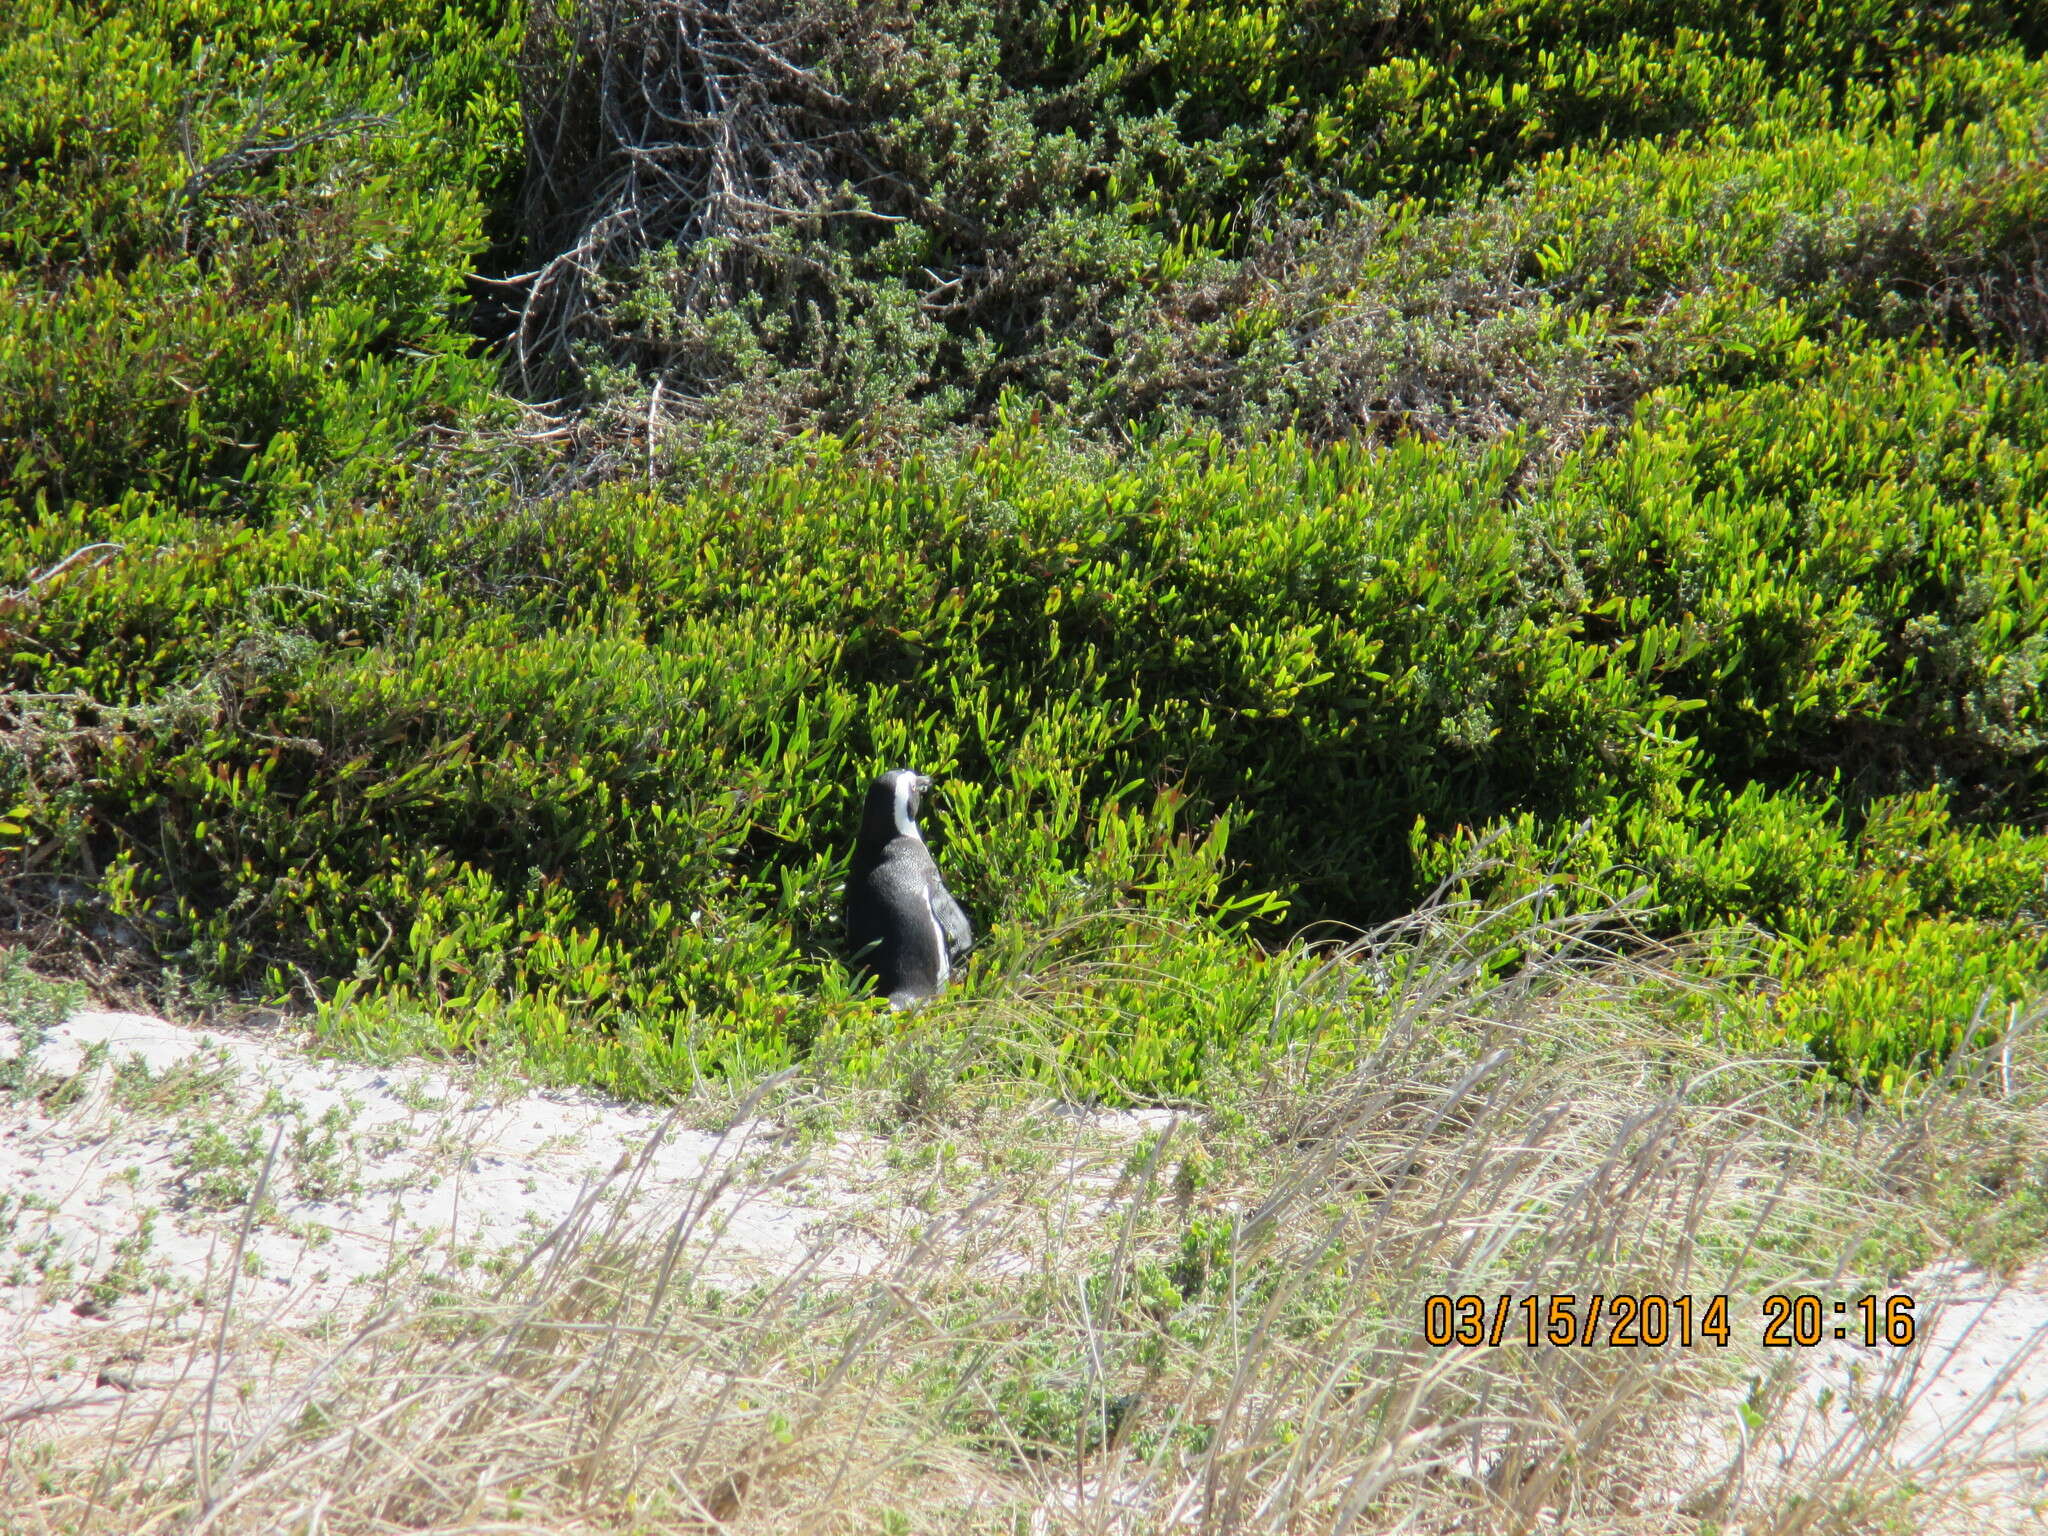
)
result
[(1259, 459)]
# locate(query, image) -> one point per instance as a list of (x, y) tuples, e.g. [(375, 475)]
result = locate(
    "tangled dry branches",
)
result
[(674, 124)]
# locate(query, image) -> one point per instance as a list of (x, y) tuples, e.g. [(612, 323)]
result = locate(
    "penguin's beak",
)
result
[(924, 785)]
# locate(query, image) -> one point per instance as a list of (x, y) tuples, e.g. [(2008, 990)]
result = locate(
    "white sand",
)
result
[(381, 1173), (428, 1170)]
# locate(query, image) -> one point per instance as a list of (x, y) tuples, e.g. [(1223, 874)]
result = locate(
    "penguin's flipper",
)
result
[(952, 921)]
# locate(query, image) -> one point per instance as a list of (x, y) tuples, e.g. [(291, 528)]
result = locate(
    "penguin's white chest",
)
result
[(905, 825), (945, 961)]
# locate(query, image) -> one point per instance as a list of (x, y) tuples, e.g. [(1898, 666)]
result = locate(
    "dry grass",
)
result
[(1215, 1326)]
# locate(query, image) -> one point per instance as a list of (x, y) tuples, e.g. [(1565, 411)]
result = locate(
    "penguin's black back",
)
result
[(902, 925)]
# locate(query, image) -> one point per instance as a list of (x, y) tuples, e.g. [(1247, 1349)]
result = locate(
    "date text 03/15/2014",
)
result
[(1793, 1320)]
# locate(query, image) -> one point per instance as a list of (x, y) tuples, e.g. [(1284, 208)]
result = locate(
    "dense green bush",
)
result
[(602, 752), (229, 241), (1612, 446), (1436, 100), (1265, 214), (1554, 306)]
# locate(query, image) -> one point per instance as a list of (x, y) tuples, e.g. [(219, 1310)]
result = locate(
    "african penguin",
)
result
[(902, 925)]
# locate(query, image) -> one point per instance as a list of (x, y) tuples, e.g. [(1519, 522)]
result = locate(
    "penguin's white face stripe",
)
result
[(905, 827), (931, 911)]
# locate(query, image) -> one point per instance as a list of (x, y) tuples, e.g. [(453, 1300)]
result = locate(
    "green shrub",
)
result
[(1615, 439), (1553, 306), (229, 243), (1312, 212), (589, 768), (1877, 1005), (1434, 100)]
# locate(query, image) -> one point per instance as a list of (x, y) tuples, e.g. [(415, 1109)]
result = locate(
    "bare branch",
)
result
[(106, 551), (257, 149), (676, 125)]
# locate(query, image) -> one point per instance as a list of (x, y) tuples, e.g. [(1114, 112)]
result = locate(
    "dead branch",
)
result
[(257, 148), (106, 551), (695, 127)]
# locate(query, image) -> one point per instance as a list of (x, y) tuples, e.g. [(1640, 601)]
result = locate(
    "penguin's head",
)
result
[(893, 802)]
